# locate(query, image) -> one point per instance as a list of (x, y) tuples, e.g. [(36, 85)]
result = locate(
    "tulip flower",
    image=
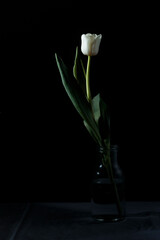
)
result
[(90, 44)]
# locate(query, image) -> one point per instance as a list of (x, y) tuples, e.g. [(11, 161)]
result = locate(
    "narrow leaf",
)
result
[(92, 133), (79, 72), (96, 107), (76, 96), (101, 115)]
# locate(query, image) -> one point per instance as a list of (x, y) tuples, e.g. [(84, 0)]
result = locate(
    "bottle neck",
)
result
[(114, 160), (113, 153)]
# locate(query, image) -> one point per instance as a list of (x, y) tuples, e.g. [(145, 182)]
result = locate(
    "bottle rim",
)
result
[(113, 147)]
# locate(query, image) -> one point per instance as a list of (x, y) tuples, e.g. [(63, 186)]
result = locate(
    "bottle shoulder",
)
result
[(101, 171)]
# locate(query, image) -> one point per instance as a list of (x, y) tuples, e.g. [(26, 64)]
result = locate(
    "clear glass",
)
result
[(108, 198)]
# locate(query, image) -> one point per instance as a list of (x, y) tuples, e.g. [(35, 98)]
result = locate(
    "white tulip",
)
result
[(90, 44)]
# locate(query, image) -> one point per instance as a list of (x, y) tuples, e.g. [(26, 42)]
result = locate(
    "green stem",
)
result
[(88, 79), (108, 166)]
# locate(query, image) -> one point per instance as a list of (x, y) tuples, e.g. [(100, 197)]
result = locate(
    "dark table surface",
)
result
[(56, 221)]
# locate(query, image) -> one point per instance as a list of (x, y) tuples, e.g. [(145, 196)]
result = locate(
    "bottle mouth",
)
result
[(113, 147)]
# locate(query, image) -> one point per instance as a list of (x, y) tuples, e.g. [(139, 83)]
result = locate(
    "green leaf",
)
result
[(77, 97), (91, 132), (96, 107), (79, 71), (101, 115)]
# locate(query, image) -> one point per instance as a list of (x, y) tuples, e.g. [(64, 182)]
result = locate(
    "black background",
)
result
[(46, 153)]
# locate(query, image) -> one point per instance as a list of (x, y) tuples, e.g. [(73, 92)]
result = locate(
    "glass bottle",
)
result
[(108, 193)]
